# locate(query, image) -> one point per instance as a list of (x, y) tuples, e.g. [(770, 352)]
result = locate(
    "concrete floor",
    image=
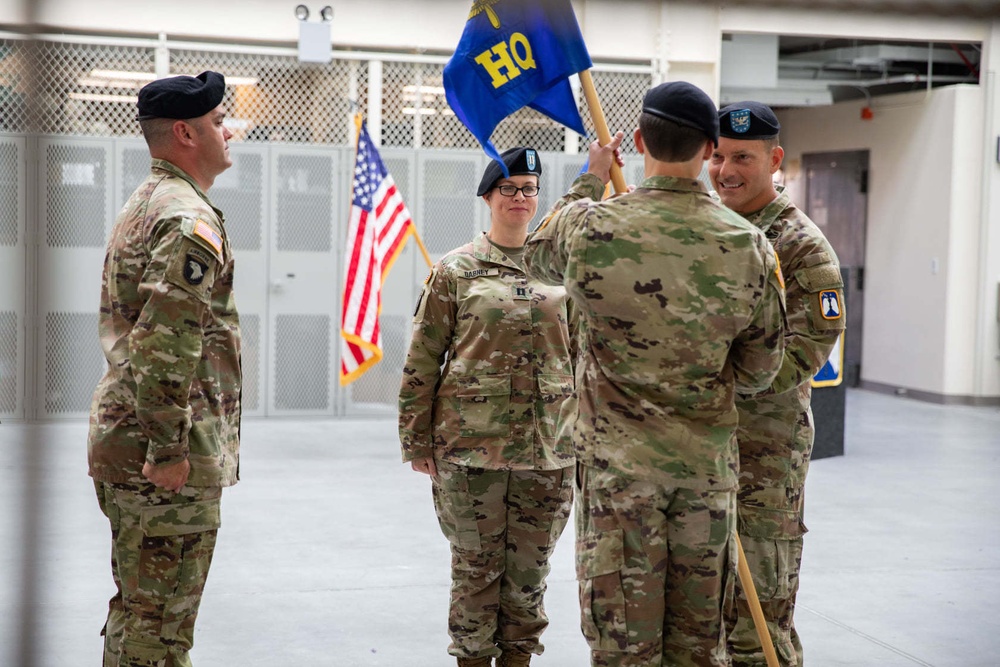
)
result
[(330, 554)]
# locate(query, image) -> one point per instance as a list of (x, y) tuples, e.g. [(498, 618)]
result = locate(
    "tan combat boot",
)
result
[(513, 659), (475, 662)]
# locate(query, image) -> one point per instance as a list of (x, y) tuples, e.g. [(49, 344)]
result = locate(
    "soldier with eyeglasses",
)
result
[(487, 383)]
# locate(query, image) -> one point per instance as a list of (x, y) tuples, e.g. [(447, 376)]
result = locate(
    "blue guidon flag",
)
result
[(739, 120), (515, 53)]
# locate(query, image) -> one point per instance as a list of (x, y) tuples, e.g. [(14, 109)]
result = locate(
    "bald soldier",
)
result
[(775, 435), (165, 419), (681, 306)]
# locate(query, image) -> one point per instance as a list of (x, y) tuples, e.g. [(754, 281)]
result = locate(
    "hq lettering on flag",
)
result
[(515, 53), (379, 226)]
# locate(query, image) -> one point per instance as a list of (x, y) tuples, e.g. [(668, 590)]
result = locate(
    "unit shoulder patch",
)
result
[(829, 305)]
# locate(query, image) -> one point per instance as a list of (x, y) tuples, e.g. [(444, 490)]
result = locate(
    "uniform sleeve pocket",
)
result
[(484, 406), (599, 561), (184, 519)]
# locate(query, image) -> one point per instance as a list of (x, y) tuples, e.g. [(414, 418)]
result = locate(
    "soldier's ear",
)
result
[(184, 133), (637, 139)]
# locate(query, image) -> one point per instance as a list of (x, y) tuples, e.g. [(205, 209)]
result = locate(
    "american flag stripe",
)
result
[(379, 226)]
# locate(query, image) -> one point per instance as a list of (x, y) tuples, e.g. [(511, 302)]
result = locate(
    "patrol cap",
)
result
[(521, 160), (685, 104), (748, 120), (181, 97)]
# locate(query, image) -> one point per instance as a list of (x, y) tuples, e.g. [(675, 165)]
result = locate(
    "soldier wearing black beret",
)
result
[(680, 307), (165, 418), (488, 340), (775, 434)]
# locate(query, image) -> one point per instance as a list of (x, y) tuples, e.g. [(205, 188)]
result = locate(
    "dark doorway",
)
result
[(837, 201)]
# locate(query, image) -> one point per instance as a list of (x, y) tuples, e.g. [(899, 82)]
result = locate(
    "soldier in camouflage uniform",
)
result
[(775, 435), (164, 424), (681, 306), (488, 375)]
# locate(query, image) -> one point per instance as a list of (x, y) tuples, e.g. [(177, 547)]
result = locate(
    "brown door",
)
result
[(837, 201)]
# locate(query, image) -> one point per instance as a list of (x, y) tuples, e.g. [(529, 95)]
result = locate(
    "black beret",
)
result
[(519, 161), (685, 104), (181, 97), (748, 120)]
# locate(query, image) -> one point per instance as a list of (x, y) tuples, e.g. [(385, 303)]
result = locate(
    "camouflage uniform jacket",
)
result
[(490, 366), (776, 426), (170, 332), (681, 304)]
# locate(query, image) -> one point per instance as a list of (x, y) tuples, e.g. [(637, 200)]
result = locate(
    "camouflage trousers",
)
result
[(503, 526), (656, 567), (161, 548), (773, 549)]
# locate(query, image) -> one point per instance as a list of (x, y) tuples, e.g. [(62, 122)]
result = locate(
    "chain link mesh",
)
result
[(276, 98), (302, 362), (90, 90), (8, 194), (73, 363), (76, 197), (8, 362), (13, 86)]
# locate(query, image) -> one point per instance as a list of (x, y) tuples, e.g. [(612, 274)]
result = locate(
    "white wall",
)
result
[(924, 194)]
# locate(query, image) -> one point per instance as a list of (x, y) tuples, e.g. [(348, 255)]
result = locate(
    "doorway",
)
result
[(837, 201)]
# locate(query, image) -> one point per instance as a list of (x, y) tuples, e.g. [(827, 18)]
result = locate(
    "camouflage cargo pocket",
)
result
[(453, 504), (599, 561), (772, 567), (484, 406), (555, 393), (177, 546)]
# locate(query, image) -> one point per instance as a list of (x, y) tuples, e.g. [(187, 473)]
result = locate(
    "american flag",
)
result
[(379, 226)]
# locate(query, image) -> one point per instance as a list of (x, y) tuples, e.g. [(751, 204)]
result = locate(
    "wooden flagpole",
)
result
[(759, 622), (420, 244), (601, 125)]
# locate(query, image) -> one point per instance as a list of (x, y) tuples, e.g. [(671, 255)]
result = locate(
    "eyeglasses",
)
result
[(511, 190)]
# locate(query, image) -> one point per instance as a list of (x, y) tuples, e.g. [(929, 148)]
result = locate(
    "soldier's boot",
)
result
[(484, 661), (513, 659)]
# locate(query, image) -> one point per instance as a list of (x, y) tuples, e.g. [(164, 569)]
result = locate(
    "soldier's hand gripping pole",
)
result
[(601, 125), (746, 581)]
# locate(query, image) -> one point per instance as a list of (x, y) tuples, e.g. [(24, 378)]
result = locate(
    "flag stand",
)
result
[(601, 125)]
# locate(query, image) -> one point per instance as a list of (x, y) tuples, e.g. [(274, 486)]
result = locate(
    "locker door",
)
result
[(76, 214), (12, 276), (307, 211)]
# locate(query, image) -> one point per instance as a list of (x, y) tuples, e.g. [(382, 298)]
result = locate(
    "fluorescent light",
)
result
[(436, 90), (410, 111), (123, 75), (98, 97)]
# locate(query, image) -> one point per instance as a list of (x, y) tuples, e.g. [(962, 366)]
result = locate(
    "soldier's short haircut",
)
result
[(156, 131), (668, 141), (772, 142)]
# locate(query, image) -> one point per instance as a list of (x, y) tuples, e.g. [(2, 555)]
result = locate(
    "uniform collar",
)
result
[(180, 173), (674, 183), (765, 217), (485, 251)]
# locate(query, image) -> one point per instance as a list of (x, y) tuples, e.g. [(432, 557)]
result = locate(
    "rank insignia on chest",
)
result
[(521, 292), (829, 305)]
